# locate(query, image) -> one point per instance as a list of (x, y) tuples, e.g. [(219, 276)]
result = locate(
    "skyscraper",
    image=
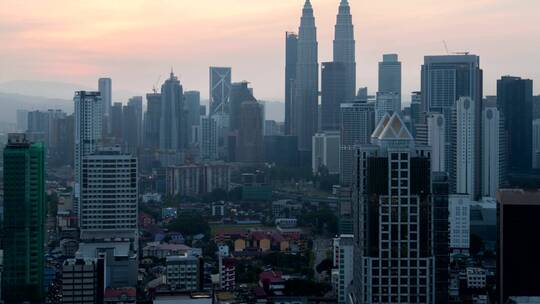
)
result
[(172, 131), (390, 75), (333, 93), (24, 220), (116, 126), (105, 90), (444, 80), (109, 195), (394, 227), (192, 104), (325, 153), (136, 102), (387, 103), (436, 134), (305, 107), (152, 120), (291, 53), (514, 100), (88, 132), (344, 47), (467, 181), (357, 124), (250, 133), (239, 93), (220, 85), (493, 158), (209, 139)]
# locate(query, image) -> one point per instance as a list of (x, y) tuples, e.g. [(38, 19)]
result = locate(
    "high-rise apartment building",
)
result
[(291, 53), (467, 177), (396, 221), (172, 131), (518, 243), (333, 94), (436, 134), (209, 139), (493, 151), (116, 125), (220, 86), (345, 48), (306, 99), (24, 220), (514, 100), (109, 195), (357, 124), (390, 75), (88, 132), (444, 80), (343, 249)]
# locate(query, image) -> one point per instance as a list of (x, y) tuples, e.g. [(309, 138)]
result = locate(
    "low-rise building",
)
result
[(83, 280), (476, 278), (184, 273), (163, 250)]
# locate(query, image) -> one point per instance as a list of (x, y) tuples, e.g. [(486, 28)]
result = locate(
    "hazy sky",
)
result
[(136, 41)]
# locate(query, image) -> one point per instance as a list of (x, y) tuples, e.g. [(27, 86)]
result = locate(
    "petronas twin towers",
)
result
[(302, 110)]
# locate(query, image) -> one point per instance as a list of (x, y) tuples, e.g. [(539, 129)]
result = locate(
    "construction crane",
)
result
[(453, 53), (155, 84)]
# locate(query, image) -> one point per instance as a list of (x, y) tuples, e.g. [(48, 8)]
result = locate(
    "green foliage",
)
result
[(278, 173), (247, 272), (325, 265), (290, 263), (320, 220), (190, 224)]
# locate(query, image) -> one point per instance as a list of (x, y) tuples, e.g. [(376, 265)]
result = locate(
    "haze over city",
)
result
[(136, 42)]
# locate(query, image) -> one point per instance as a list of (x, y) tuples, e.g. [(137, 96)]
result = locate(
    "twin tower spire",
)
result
[(304, 105)]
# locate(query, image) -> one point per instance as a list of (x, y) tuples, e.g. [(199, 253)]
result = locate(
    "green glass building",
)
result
[(24, 220)]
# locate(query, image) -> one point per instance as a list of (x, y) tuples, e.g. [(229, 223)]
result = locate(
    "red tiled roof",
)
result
[(117, 292)]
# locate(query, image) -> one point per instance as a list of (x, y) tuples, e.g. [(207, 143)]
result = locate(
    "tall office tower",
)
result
[(62, 142), (518, 243), (326, 152), (239, 93), (116, 125), (357, 124), (291, 53), (192, 103), (137, 103), (220, 86), (390, 75), (109, 195), (467, 181), (105, 90), (536, 144), (417, 113), (343, 258), (536, 107), (24, 220), (130, 128), (250, 133), (493, 164), (435, 139), (306, 98), (395, 220), (172, 131), (387, 103), (88, 132), (345, 49), (333, 94), (514, 100), (209, 139), (444, 80), (152, 120)]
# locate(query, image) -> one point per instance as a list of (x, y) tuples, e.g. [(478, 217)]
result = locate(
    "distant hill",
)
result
[(10, 103)]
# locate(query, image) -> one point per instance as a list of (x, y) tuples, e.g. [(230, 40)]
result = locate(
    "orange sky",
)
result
[(136, 41)]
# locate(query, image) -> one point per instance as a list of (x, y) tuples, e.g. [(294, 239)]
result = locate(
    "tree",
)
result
[(299, 287), (190, 224)]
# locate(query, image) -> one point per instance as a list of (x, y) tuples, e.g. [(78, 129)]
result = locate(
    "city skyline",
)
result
[(62, 47)]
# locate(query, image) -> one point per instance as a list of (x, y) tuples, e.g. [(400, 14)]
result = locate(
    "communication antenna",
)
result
[(155, 84)]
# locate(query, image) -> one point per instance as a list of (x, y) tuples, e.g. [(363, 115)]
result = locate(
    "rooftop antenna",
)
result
[(155, 84), (445, 47)]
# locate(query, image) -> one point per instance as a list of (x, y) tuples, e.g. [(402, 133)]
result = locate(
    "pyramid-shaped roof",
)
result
[(395, 129), (380, 126)]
